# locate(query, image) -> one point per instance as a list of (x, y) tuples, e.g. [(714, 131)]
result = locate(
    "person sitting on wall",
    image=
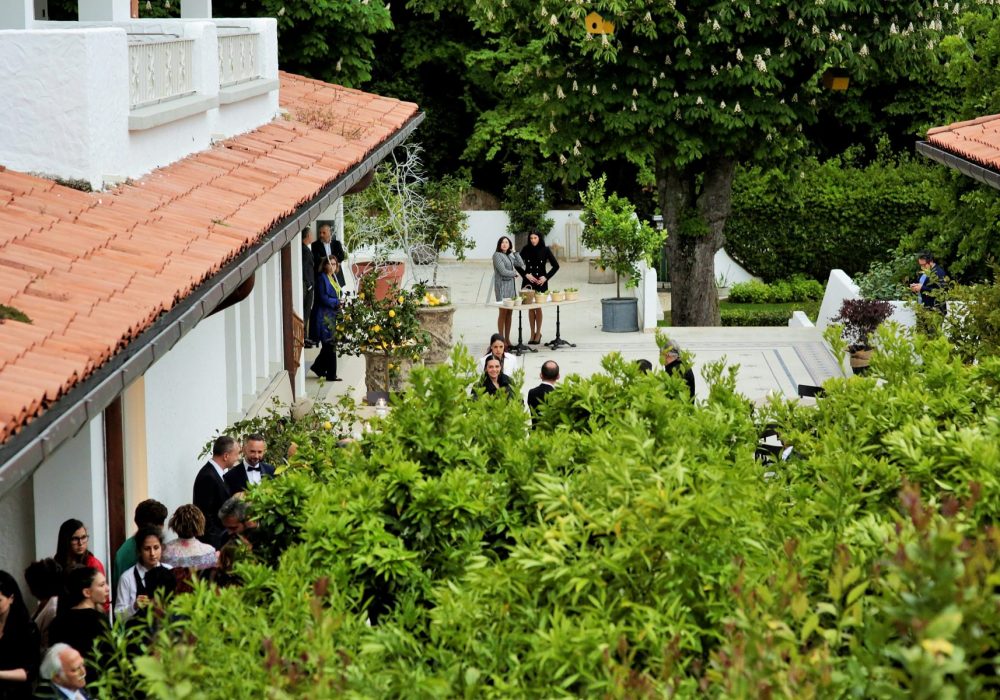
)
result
[(672, 364)]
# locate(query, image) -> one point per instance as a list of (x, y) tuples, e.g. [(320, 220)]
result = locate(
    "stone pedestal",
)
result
[(438, 321), (375, 372)]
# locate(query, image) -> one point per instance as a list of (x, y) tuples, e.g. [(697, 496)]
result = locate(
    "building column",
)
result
[(196, 9), (105, 10), (17, 14)]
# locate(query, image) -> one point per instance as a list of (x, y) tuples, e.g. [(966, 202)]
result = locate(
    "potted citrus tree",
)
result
[(860, 318), (611, 227), (386, 330)]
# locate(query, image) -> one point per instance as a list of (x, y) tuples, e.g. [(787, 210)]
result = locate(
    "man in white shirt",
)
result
[(64, 668)]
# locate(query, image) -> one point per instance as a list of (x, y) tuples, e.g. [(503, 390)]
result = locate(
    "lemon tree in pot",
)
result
[(385, 330), (611, 227), (860, 318)]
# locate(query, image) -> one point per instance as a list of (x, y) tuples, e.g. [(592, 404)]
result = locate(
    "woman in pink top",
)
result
[(187, 551)]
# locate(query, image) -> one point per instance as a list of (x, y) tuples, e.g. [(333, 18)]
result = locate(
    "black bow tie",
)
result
[(253, 469)]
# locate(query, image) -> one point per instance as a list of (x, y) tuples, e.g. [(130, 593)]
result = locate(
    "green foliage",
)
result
[(795, 289), (861, 317), (611, 227), (448, 223), (973, 321), (9, 312), (837, 214), (754, 315), (629, 546), (887, 280), (526, 201)]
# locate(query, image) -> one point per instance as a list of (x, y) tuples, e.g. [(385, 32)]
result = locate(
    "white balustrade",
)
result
[(238, 62), (159, 71)]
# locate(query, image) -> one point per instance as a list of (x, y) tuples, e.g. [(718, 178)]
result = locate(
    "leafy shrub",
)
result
[(629, 546), (749, 316), (860, 318), (887, 279), (824, 216), (797, 288)]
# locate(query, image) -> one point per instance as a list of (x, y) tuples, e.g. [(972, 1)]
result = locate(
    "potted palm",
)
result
[(386, 330), (611, 227), (860, 319)]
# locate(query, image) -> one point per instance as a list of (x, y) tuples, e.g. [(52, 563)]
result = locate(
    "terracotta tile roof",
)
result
[(977, 140), (94, 270)]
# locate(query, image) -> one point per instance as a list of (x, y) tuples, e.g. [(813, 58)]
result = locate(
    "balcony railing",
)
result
[(238, 61), (159, 71)]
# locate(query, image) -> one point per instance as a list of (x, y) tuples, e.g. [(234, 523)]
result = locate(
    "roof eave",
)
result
[(25, 451), (963, 165)]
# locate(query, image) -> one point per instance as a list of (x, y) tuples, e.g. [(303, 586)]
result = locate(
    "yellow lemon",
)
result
[(376, 328), (361, 295), (391, 366), (400, 300), (392, 314), (328, 425)]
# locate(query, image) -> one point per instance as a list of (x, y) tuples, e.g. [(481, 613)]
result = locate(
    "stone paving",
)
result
[(771, 360)]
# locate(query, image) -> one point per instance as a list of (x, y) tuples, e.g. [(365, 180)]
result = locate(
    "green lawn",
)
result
[(759, 314)]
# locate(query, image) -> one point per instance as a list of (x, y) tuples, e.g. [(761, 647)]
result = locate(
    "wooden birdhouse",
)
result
[(598, 25), (836, 79)]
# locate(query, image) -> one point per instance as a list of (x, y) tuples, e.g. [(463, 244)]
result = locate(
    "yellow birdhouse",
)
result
[(598, 25), (836, 79)]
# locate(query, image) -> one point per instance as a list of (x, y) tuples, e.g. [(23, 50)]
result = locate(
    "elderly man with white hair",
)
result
[(63, 667)]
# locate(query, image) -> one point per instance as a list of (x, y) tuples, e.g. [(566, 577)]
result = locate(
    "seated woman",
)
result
[(44, 579), (494, 381), (326, 305), (18, 643), (81, 619), (498, 349), (134, 585)]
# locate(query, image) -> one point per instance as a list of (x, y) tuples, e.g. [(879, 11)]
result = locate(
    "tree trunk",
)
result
[(695, 204)]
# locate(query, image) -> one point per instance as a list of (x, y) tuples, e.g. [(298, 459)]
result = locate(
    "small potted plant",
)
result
[(385, 330), (558, 295), (572, 293), (612, 228), (860, 318)]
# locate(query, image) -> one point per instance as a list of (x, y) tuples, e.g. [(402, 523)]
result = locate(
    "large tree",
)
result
[(685, 90)]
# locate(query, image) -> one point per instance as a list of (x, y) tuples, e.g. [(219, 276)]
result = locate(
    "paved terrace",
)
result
[(770, 359)]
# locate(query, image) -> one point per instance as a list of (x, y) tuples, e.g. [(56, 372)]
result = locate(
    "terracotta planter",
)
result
[(438, 321), (375, 372), (391, 273), (860, 359)]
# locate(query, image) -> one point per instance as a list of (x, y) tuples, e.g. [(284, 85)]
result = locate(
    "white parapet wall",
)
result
[(840, 286)]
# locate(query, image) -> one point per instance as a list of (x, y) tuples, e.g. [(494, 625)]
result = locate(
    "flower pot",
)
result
[(599, 275), (439, 291), (860, 359), (572, 296), (558, 296), (438, 322), (389, 274), (620, 315), (528, 296), (375, 372)]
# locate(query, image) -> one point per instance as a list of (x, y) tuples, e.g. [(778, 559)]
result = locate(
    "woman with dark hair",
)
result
[(326, 305), (18, 643), (81, 619), (44, 579), (505, 264), (540, 265), (498, 349), (71, 547), (135, 588), (494, 379)]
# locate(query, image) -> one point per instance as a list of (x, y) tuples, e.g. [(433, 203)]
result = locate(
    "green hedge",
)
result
[(824, 216), (797, 288), (629, 546)]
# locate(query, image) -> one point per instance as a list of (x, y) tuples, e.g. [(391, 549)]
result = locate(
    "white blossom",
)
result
[(795, 97), (553, 21), (634, 107), (758, 61), (687, 52), (654, 81), (737, 108), (614, 86), (650, 130), (739, 55), (767, 52), (722, 105), (340, 62), (680, 24), (715, 25), (576, 148), (662, 75), (590, 117), (635, 93), (635, 49), (559, 92), (648, 17), (545, 97), (676, 94), (699, 101), (815, 30), (593, 89), (552, 128), (769, 137), (863, 51), (562, 159), (812, 102), (604, 40), (667, 60), (893, 29), (714, 70), (574, 86), (677, 115)]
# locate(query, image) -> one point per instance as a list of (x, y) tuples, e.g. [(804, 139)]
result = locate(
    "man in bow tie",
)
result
[(253, 468), (63, 667)]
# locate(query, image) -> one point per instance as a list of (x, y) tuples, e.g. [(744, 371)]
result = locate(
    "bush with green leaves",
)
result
[(820, 216), (629, 546), (797, 288)]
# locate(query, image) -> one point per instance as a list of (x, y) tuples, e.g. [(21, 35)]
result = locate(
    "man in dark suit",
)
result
[(253, 468), (308, 283), (549, 376), (328, 247), (63, 673), (210, 490)]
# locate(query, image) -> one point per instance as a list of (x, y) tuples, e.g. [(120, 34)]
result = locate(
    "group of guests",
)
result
[(322, 287), (535, 265), (58, 641)]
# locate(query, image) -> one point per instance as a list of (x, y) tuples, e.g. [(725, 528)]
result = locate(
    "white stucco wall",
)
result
[(840, 286), (17, 523), (72, 119), (185, 404), (71, 484)]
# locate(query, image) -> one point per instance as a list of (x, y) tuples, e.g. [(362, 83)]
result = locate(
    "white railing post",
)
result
[(238, 60), (159, 71)]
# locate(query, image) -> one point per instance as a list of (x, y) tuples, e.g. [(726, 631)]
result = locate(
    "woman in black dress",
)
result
[(18, 643), (494, 380), (540, 265), (81, 619)]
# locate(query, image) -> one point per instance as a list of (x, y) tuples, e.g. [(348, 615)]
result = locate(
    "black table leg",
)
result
[(520, 348), (558, 342)]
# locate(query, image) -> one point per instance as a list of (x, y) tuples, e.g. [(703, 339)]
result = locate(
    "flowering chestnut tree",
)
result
[(685, 90)]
